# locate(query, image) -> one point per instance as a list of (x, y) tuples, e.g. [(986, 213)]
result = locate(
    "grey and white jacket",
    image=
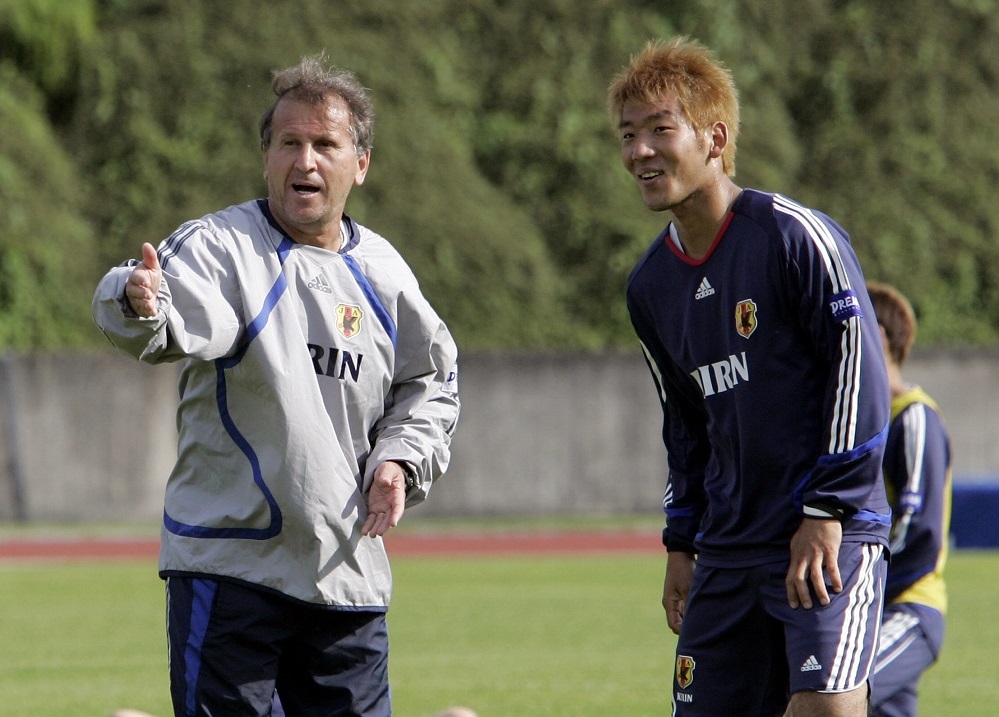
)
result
[(303, 370)]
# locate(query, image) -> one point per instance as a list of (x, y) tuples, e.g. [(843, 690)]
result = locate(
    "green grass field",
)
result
[(524, 636)]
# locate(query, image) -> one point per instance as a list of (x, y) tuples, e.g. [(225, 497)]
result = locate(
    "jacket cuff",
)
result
[(823, 511), (413, 481)]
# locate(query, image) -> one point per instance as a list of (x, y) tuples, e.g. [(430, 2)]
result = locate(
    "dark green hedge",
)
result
[(495, 168)]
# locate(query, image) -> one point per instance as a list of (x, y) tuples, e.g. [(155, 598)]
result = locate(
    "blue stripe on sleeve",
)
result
[(834, 459)]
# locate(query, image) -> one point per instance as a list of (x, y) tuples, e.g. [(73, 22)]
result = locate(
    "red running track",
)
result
[(408, 544)]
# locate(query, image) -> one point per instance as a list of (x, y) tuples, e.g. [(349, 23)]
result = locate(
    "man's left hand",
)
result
[(386, 499), (814, 551)]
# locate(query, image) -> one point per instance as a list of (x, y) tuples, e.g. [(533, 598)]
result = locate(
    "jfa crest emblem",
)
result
[(684, 671), (745, 317), (348, 320)]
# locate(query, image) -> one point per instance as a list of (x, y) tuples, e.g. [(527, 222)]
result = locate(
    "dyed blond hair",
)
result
[(703, 86)]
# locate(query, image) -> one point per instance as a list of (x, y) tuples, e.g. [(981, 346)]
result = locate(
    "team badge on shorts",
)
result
[(745, 317), (684, 671), (348, 320)]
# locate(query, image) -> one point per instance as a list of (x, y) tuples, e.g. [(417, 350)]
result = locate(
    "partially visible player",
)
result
[(917, 468), (768, 362)]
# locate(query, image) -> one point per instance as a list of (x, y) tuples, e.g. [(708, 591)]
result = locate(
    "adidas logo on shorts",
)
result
[(811, 664)]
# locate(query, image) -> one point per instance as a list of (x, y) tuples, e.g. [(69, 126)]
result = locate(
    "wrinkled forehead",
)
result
[(302, 103), (330, 112)]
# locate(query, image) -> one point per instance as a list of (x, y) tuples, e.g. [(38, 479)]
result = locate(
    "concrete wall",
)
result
[(87, 437), (92, 436)]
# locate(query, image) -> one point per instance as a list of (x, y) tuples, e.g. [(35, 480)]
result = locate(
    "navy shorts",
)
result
[(743, 650), (911, 637), (232, 646)]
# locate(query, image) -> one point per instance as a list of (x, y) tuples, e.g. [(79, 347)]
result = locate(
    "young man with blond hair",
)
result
[(766, 356)]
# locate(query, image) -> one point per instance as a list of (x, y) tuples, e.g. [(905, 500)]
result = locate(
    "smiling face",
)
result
[(667, 157), (310, 166)]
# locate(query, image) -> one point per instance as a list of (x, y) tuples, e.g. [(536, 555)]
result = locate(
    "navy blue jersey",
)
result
[(917, 466), (768, 359)]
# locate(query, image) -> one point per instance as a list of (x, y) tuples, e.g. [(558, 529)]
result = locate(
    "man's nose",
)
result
[(306, 160), (641, 149)]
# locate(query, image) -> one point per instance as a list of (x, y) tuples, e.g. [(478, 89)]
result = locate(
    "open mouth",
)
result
[(651, 174), (305, 189)]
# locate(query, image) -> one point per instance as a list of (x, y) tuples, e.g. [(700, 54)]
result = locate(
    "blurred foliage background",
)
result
[(495, 168)]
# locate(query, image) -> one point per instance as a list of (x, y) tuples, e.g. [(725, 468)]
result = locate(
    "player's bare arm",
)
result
[(143, 284), (814, 553), (676, 587), (821, 704), (386, 499)]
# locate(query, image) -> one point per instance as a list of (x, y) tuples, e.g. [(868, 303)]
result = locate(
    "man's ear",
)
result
[(718, 138), (363, 162)]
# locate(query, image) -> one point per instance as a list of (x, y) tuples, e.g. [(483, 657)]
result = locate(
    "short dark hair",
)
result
[(311, 81), (895, 315)]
